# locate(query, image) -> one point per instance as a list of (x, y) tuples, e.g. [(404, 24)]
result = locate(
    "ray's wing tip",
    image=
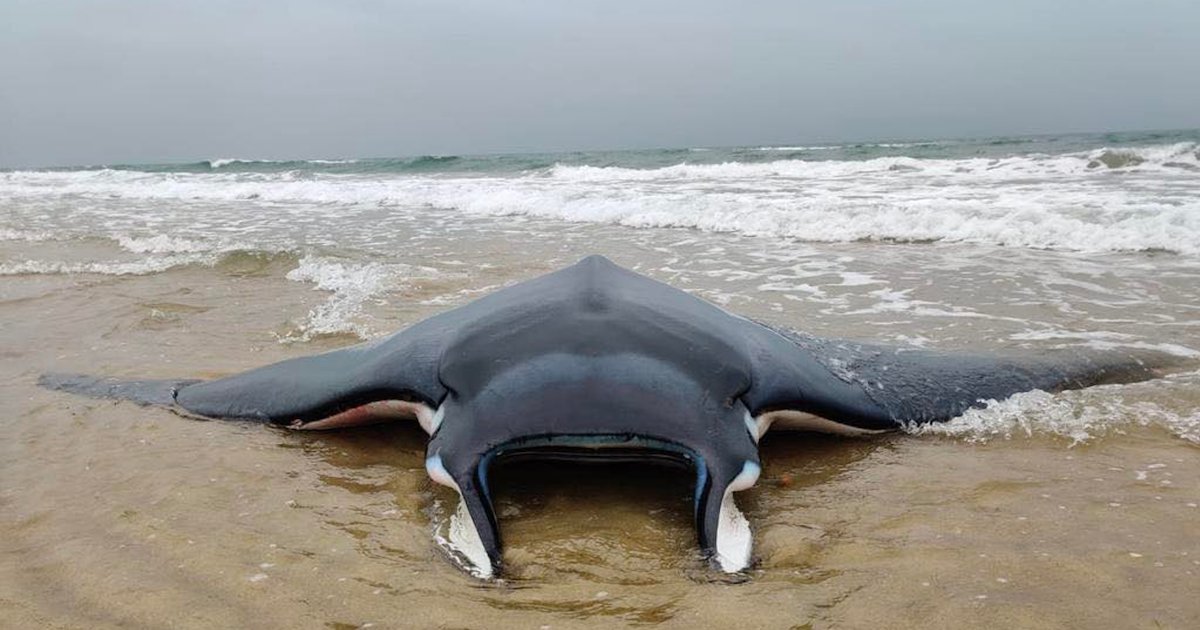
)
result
[(143, 392), (1138, 364), (65, 381)]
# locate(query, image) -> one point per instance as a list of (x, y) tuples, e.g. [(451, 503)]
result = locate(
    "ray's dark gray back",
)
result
[(595, 309)]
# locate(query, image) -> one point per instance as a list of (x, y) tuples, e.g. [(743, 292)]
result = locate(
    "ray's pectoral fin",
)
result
[(363, 384), (852, 387)]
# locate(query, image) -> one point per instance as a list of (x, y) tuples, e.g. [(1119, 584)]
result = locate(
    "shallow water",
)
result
[(1044, 511)]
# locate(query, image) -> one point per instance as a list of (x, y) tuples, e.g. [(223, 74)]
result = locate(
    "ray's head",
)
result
[(620, 407)]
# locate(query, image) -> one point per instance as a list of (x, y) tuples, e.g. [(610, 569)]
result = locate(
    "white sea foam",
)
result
[(223, 162), (1078, 416), (901, 145), (141, 267), (160, 253), (352, 285), (163, 244), (28, 236), (802, 148), (1041, 335), (1180, 154), (832, 147), (1128, 199), (1167, 348), (1106, 340)]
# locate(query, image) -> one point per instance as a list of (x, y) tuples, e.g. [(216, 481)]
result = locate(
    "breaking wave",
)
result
[(163, 244), (224, 162), (245, 165), (351, 285), (25, 235), (1185, 155), (1104, 199), (156, 254)]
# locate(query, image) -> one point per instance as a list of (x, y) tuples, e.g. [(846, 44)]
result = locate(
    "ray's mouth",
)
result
[(722, 531), (604, 448)]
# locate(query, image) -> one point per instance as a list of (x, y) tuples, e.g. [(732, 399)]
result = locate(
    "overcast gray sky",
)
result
[(158, 80)]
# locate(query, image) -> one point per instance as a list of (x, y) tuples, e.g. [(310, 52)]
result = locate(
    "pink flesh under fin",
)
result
[(370, 413)]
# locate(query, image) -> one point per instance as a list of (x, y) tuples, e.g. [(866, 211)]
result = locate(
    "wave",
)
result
[(143, 267), (220, 162), (351, 285), (158, 254), (248, 165), (831, 147), (1071, 164), (225, 163), (430, 161), (1149, 200), (163, 244), (1179, 155), (417, 162), (857, 145), (28, 236), (918, 221)]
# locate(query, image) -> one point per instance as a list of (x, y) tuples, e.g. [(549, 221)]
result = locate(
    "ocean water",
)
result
[(1085, 193), (215, 266)]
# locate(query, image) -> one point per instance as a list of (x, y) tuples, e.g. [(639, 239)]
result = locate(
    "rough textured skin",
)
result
[(598, 355), (911, 385)]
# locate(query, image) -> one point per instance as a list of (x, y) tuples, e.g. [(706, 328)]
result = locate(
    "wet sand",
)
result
[(116, 515)]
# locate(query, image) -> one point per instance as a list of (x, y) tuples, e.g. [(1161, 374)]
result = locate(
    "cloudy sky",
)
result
[(158, 80)]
